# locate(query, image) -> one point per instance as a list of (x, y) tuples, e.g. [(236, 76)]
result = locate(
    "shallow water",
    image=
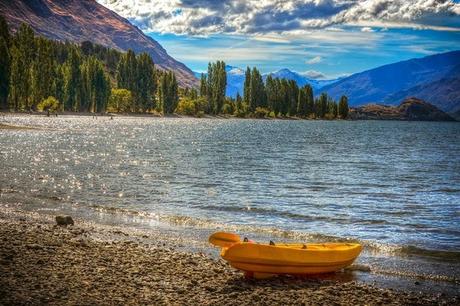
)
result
[(394, 186)]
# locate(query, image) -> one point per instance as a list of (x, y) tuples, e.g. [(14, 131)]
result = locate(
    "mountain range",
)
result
[(77, 21), (236, 76), (434, 78)]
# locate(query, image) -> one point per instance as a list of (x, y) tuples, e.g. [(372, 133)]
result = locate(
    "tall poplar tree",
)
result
[(247, 86), (343, 107), (203, 85), (146, 83), (5, 63), (257, 94), (72, 82), (168, 91), (4, 73), (24, 41), (42, 71)]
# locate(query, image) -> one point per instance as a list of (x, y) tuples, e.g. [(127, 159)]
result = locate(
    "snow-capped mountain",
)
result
[(235, 79), (300, 78)]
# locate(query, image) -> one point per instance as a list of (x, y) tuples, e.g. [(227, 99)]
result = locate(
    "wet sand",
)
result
[(42, 263)]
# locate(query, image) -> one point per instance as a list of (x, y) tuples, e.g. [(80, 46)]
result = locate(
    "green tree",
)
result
[(5, 31), (203, 85), (96, 86), (302, 105), (146, 83), (4, 73), (127, 76), (321, 105), (293, 94), (5, 63), (247, 86), (58, 85), (310, 100), (331, 108), (50, 104), (42, 71), (258, 97), (169, 97), (272, 91), (284, 97), (16, 70), (216, 84), (343, 107), (24, 40), (73, 82), (137, 74), (120, 100)]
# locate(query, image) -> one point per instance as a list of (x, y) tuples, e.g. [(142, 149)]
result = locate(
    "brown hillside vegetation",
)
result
[(410, 109)]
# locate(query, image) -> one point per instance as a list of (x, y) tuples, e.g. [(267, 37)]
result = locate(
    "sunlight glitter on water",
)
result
[(387, 184)]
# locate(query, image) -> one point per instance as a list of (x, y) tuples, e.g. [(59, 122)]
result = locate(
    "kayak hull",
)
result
[(294, 259), (292, 270)]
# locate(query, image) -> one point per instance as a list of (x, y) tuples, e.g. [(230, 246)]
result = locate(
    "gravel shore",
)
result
[(41, 263)]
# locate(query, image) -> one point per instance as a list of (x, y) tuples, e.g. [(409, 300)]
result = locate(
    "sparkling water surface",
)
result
[(384, 183)]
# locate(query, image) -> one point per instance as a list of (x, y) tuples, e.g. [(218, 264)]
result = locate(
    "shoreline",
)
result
[(86, 264), (179, 116)]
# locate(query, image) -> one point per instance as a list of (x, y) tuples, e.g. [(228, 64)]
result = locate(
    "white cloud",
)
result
[(204, 17), (313, 74), (367, 29), (314, 60)]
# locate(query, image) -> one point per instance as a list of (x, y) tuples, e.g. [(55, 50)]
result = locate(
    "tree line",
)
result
[(42, 74), (273, 97), (38, 73)]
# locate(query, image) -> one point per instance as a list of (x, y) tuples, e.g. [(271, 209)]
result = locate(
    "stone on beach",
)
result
[(64, 220)]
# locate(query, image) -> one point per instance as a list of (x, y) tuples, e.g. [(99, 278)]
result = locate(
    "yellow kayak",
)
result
[(262, 260)]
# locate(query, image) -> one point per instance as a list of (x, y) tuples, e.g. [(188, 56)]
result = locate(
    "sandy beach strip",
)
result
[(42, 263)]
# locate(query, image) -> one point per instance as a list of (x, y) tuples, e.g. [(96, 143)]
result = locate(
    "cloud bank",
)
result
[(261, 17)]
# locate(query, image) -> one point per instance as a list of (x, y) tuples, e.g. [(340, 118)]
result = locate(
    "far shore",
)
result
[(148, 115), (42, 263)]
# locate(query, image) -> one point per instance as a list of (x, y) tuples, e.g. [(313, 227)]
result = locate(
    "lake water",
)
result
[(393, 186)]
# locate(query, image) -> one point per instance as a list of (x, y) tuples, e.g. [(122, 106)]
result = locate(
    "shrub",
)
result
[(50, 104), (261, 112), (227, 109), (191, 107), (121, 100)]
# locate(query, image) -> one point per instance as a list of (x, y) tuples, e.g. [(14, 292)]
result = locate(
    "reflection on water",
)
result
[(387, 184)]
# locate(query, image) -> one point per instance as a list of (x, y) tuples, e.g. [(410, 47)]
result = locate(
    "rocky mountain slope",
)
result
[(80, 20), (377, 85), (411, 109), (443, 93)]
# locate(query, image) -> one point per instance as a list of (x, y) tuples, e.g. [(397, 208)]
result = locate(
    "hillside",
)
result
[(77, 21), (411, 109), (376, 85), (443, 93)]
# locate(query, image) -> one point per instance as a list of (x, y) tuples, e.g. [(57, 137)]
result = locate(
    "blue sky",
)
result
[(321, 38)]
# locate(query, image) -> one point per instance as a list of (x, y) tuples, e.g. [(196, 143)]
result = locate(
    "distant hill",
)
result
[(77, 21), (443, 93), (456, 115), (377, 85), (411, 109)]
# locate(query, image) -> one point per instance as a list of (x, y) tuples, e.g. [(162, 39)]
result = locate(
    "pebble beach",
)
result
[(43, 263)]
